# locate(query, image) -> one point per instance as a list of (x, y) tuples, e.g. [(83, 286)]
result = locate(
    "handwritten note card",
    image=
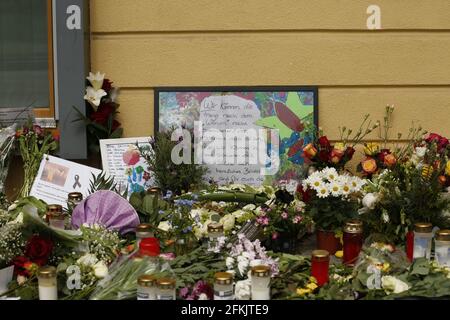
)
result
[(226, 112), (121, 159)]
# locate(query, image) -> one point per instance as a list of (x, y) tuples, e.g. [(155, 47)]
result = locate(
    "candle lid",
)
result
[(223, 278), (54, 208), (75, 196), (215, 227), (144, 227), (47, 272), (353, 226), (424, 227), (166, 283), (261, 271), (154, 190), (146, 280), (443, 235), (320, 255)]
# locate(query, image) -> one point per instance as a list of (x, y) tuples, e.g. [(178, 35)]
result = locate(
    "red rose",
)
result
[(38, 249), (383, 153), (102, 114), (349, 152), (305, 194), (441, 141), (324, 142), (19, 266), (107, 85), (324, 156), (38, 130)]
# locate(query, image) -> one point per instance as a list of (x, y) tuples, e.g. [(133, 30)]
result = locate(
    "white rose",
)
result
[(203, 296), (420, 151), (100, 270), (370, 200), (12, 207), (165, 226), (87, 260), (249, 207), (228, 222), (242, 290), (393, 284)]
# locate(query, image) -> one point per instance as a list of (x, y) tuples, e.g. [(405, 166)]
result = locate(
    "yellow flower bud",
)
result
[(371, 148)]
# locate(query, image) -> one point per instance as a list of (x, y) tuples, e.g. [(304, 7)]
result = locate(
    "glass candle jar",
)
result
[(422, 240), (146, 287), (223, 286), (73, 199), (320, 263), (353, 241), (143, 231), (261, 282), (165, 289), (55, 216), (215, 231), (48, 289), (442, 247)]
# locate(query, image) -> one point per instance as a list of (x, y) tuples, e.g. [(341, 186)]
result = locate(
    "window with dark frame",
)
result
[(26, 56)]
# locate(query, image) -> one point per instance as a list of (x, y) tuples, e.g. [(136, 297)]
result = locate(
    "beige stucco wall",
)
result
[(141, 44)]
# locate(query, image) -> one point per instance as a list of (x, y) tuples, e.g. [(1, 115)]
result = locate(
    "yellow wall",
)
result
[(141, 44)]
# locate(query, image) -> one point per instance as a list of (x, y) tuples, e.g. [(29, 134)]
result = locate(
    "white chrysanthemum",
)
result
[(356, 183), (346, 189), (335, 189)]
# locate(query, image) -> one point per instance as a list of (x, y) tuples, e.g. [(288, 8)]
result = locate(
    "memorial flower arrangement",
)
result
[(334, 197), (409, 192), (7, 138), (34, 142), (101, 111)]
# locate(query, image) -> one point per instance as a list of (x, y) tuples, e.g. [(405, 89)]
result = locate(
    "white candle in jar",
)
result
[(48, 289), (166, 289), (442, 248), (223, 286), (422, 240), (261, 282), (146, 288)]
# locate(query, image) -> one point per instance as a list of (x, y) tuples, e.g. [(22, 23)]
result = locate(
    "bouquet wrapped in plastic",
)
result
[(7, 136)]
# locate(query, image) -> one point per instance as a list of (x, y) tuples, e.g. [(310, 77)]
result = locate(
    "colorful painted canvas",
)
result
[(291, 110)]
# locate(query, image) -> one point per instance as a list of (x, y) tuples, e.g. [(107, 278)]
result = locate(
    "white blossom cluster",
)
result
[(329, 183), (102, 243), (12, 243)]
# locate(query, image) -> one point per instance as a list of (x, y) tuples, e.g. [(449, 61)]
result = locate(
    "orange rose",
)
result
[(443, 180), (389, 160), (309, 150), (369, 165)]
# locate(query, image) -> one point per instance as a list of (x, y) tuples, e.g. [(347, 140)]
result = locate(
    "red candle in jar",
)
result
[(353, 241), (410, 245), (320, 262)]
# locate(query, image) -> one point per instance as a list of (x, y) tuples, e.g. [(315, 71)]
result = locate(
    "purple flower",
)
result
[(184, 292)]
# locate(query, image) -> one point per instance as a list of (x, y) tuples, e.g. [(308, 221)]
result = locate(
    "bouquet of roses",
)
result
[(321, 153)]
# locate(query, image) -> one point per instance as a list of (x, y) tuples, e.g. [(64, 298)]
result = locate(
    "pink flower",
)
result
[(284, 215), (297, 219), (263, 220), (274, 236)]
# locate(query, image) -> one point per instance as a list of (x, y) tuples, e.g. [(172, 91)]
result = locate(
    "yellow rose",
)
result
[(447, 168), (311, 286), (339, 146), (302, 291), (371, 148), (339, 254), (369, 165), (386, 267), (312, 279)]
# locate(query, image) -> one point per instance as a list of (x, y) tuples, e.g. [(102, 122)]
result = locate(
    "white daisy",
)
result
[(315, 182), (330, 174), (323, 192), (335, 189), (346, 189)]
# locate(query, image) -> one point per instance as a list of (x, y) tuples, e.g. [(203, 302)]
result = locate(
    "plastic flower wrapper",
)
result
[(121, 282), (7, 136)]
